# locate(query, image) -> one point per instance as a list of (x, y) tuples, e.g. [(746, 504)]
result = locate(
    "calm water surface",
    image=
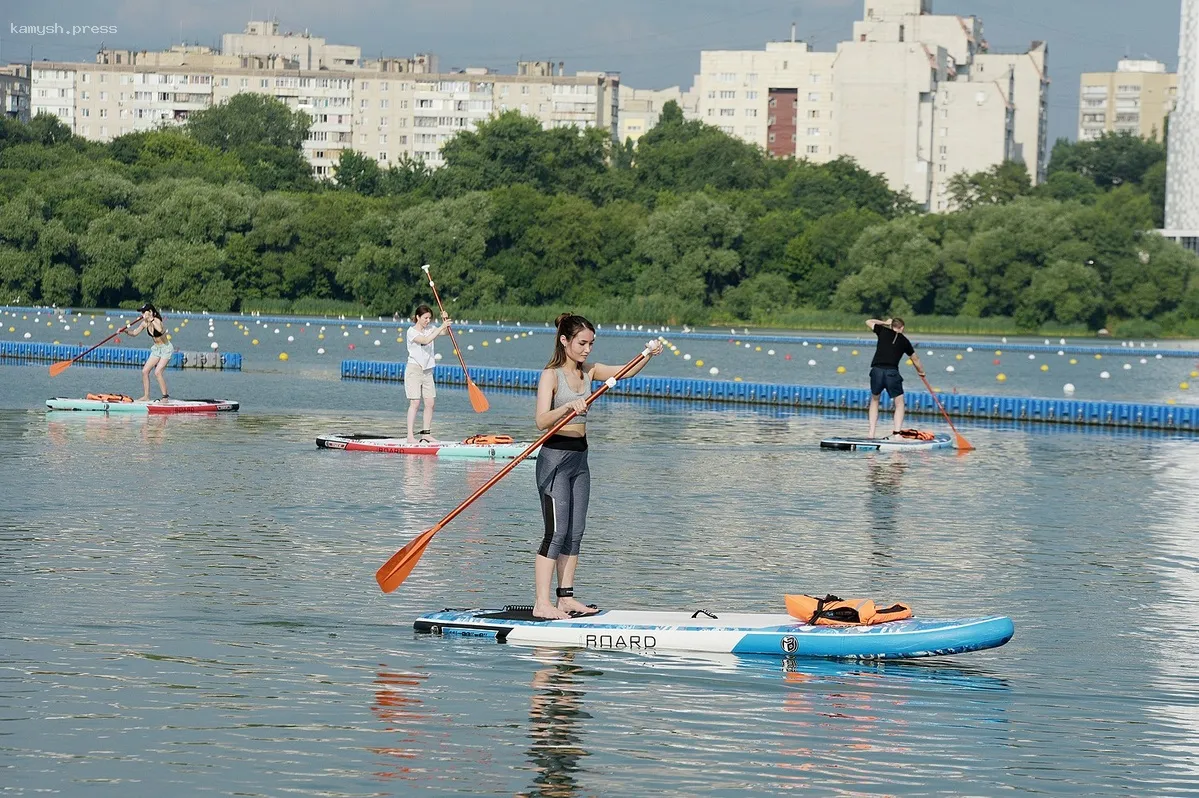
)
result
[(187, 604)]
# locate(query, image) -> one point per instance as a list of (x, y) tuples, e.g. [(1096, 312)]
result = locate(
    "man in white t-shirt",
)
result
[(418, 372)]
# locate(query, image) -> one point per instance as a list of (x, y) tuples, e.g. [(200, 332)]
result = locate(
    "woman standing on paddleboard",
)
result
[(160, 351), (563, 479), (418, 372)]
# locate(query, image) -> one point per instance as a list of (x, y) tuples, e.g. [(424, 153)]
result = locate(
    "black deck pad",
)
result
[(522, 612)]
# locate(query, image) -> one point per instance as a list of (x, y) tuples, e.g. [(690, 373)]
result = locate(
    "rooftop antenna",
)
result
[(793, 33)]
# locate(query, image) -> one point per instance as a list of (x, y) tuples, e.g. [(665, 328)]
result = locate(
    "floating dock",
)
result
[(1007, 408), (33, 352)]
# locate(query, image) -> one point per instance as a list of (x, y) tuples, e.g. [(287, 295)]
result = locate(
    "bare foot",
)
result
[(569, 605), (142, 399), (548, 611), (410, 441)]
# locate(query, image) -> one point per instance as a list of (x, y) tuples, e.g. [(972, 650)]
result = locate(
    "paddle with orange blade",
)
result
[(396, 570), (477, 400), (63, 365), (962, 443)]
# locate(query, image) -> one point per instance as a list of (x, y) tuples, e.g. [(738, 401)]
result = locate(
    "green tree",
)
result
[(690, 250), (817, 259), (249, 120), (1069, 293), (998, 185), (1112, 160), (175, 274), (681, 156)]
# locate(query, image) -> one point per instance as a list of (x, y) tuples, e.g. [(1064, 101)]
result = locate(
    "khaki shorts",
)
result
[(418, 383)]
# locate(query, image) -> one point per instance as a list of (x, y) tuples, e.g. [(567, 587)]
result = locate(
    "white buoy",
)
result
[(321, 351), (811, 362), (290, 338), (686, 357), (437, 356), (771, 352), (1004, 340), (1032, 357), (1062, 341), (1061, 351), (713, 371), (377, 342), (345, 334), (276, 331), (66, 327), (1158, 356), (1068, 388), (211, 334), (835, 349), (1143, 361), (805, 343), (470, 347), (1103, 375), (970, 349), (27, 335), (1128, 366), (213, 344), (949, 369)]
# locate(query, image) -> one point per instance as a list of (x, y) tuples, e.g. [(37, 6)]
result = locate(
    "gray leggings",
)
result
[(564, 482)]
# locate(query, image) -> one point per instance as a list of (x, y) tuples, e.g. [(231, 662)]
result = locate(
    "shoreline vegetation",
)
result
[(688, 227)]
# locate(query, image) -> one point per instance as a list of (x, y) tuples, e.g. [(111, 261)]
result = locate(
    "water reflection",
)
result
[(555, 734), (400, 711), (885, 474)]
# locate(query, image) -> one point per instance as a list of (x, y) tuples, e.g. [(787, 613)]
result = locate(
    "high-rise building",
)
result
[(1182, 168), (14, 91), (912, 95), (386, 109), (1136, 98)]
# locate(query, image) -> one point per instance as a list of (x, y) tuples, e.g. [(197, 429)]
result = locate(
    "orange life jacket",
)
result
[(916, 434), (110, 397), (834, 611), (489, 439)]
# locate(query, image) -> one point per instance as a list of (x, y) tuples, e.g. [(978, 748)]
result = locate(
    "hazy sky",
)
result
[(652, 43)]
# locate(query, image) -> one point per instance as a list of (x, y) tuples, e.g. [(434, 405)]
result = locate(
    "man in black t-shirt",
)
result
[(884, 369)]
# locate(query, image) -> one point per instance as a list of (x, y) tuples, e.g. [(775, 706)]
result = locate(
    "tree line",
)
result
[(688, 226)]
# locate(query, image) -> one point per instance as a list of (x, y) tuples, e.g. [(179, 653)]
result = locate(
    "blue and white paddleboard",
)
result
[(776, 634), (889, 444)]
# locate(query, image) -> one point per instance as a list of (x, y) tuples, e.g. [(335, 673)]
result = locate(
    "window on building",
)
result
[(103, 96), (751, 111), (751, 131), (813, 114), (243, 82), (728, 77), (813, 149), (944, 149), (752, 77), (103, 113), (83, 95), (813, 96), (944, 131), (813, 78), (728, 95), (813, 131), (941, 167), (103, 130), (770, 138), (224, 82), (85, 112), (384, 103), (751, 95)]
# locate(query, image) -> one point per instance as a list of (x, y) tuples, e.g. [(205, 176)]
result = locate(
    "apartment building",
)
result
[(1136, 98), (915, 96), (14, 91), (640, 109), (387, 108)]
